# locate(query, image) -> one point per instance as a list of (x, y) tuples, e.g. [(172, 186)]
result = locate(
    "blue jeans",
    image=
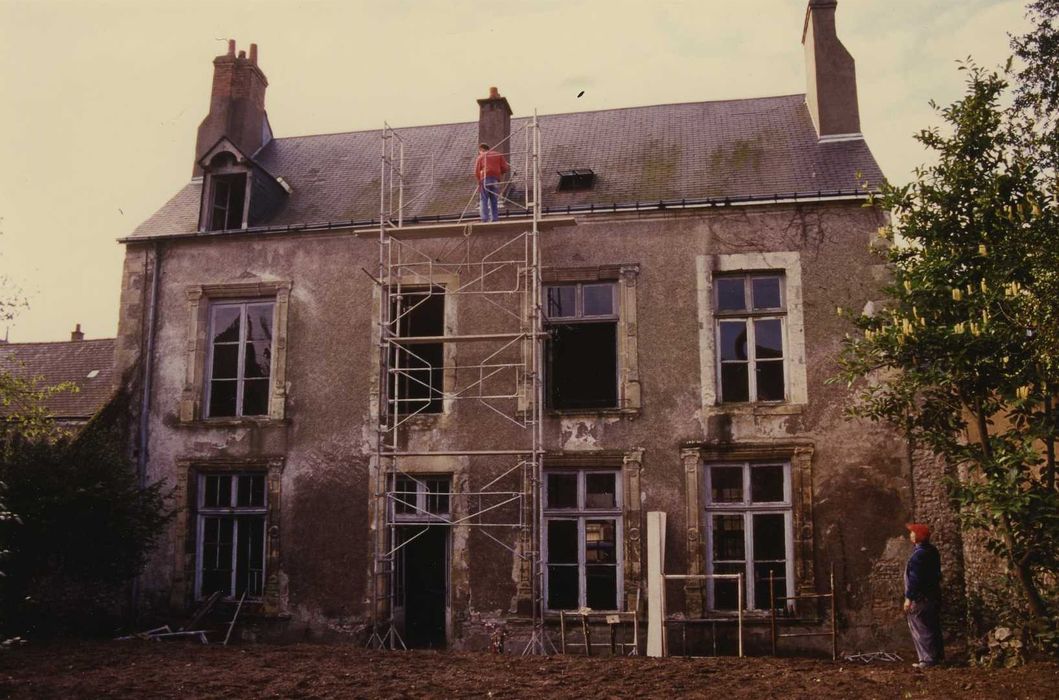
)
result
[(924, 621), (489, 193)]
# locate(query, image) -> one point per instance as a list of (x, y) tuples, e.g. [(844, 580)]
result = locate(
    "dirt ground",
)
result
[(188, 670)]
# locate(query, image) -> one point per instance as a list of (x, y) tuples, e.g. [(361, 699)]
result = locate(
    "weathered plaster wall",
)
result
[(859, 480)]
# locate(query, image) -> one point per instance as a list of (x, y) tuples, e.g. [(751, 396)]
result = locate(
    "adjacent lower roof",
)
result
[(738, 149), (87, 364)]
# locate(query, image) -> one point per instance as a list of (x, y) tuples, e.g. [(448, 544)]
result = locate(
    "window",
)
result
[(232, 514), (582, 345), (420, 498), (582, 524), (417, 366), (750, 315), (240, 361), (748, 515), (227, 202)]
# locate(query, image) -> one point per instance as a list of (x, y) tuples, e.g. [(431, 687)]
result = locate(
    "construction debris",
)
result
[(869, 657)]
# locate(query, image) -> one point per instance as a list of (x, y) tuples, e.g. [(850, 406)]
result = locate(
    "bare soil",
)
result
[(189, 670)]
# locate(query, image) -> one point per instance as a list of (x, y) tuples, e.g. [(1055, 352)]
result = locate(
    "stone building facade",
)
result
[(690, 282)]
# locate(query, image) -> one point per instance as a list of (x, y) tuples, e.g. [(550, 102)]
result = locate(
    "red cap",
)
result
[(922, 531)]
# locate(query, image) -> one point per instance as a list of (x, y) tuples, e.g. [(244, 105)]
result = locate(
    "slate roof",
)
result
[(737, 149), (69, 361)]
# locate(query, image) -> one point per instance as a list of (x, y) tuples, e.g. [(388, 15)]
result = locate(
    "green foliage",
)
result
[(964, 356), (86, 529)]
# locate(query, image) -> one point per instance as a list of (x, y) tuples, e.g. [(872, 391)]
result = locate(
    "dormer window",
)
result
[(236, 191), (576, 179), (226, 180)]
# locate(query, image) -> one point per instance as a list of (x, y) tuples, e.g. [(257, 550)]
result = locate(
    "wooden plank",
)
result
[(656, 606)]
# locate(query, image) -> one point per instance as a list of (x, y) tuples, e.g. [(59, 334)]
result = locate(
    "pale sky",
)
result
[(100, 99)]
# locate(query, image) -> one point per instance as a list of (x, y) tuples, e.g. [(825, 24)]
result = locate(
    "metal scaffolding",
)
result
[(482, 364)]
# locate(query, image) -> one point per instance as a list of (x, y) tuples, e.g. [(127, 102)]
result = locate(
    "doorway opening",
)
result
[(422, 584)]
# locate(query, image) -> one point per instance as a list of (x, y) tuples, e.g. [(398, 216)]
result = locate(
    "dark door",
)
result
[(424, 571)]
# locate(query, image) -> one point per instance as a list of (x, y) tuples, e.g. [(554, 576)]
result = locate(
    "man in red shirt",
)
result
[(489, 167)]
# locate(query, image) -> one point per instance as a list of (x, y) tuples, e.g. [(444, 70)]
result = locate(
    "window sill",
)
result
[(759, 409), (260, 421), (558, 413)]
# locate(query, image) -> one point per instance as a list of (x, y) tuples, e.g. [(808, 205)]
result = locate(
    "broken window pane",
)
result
[(562, 490), (770, 381), (726, 484), (259, 322), (730, 294), (597, 300), (766, 292), (734, 378), (600, 490), (728, 541), (226, 324), (583, 365), (766, 483), (561, 302), (258, 359)]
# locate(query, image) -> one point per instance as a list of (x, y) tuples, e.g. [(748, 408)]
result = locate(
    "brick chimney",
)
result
[(237, 104), (494, 122), (832, 77), (76, 333)]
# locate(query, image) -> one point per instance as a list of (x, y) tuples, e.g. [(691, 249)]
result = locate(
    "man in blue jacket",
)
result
[(923, 597)]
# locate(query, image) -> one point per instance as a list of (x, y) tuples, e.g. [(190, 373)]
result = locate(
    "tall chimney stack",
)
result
[(494, 122), (237, 104), (831, 74), (76, 333)]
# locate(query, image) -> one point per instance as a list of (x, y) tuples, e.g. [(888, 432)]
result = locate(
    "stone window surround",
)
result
[(799, 455), (186, 496), (626, 275), (789, 265), (630, 466), (199, 298)]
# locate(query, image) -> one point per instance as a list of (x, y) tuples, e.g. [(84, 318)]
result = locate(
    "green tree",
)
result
[(86, 527), (963, 354)]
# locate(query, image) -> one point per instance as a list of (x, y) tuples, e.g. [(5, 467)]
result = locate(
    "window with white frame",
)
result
[(419, 498), (749, 526), (582, 345), (582, 539), (239, 365), (232, 516), (751, 312)]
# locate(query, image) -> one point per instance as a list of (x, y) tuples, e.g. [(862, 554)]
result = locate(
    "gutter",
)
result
[(148, 370), (355, 226)]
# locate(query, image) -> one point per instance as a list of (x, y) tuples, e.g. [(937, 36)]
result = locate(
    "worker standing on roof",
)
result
[(923, 597), (489, 166)]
